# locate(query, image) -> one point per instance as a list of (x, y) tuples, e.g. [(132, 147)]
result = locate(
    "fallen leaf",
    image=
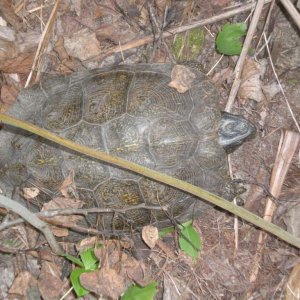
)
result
[(68, 221), (30, 193), (106, 281), (49, 282), (182, 78), (293, 284), (22, 282), (252, 86), (83, 45), (22, 63), (150, 235), (67, 184), (9, 94), (127, 266), (64, 63)]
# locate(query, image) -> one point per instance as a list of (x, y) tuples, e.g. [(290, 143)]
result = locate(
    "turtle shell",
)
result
[(126, 111)]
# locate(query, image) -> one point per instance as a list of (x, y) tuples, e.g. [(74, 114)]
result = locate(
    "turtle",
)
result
[(131, 112)]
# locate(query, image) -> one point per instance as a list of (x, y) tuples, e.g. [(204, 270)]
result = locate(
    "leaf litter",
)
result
[(83, 33)]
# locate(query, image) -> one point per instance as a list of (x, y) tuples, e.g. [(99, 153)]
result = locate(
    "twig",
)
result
[(31, 219), (43, 42), (240, 63), (157, 176), (83, 211), (292, 11), (286, 149)]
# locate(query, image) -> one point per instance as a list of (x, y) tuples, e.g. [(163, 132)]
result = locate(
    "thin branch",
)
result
[(292, 11), (32, 219), (240, 63), (43, 42), (96, 210), (157, 176), (82, 211), (286, 149)]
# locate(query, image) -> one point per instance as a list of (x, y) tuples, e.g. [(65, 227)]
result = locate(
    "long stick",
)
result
[(157, 176), (32, 219)]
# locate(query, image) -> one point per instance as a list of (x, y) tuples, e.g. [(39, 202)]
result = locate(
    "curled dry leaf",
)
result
[(150, 235), (87, 243), (252, 86), (30, 193), (182, 78), (67, 184)]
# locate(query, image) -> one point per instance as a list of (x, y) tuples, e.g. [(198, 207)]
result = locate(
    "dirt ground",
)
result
[(78, 35)]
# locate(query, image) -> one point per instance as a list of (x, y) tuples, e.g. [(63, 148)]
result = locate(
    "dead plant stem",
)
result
[(157, 176)]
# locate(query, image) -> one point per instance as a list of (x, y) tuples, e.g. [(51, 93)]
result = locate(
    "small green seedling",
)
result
[(228, 40), (189, 239), (136, 292), (88, 262)]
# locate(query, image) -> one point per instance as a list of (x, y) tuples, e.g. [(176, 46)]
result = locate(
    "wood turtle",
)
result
[(131, 112)]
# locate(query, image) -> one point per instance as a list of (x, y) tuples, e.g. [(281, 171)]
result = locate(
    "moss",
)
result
[(192, 45)]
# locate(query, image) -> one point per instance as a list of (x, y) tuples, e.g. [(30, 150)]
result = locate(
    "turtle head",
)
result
[(234, 130)]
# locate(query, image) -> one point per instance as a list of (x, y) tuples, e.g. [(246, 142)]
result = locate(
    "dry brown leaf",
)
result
[(49, 282), (86, 243), (293, 284), (67, 183), (128, 267), (106, 281), (68, 221), (91, 242), (114, 33), (64, 63), (83, 45), (19, 64), (252, 86), (30, 193), (161, 6), (9, 94), (182, 78), (150, 235), (225, 75), (22, 282)]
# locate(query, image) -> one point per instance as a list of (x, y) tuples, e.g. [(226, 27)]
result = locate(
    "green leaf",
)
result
[(79, 289), (73, 259), (136, 292), (228, 40), (90, 261), (190, 241), (185, 224), (164, 231)]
